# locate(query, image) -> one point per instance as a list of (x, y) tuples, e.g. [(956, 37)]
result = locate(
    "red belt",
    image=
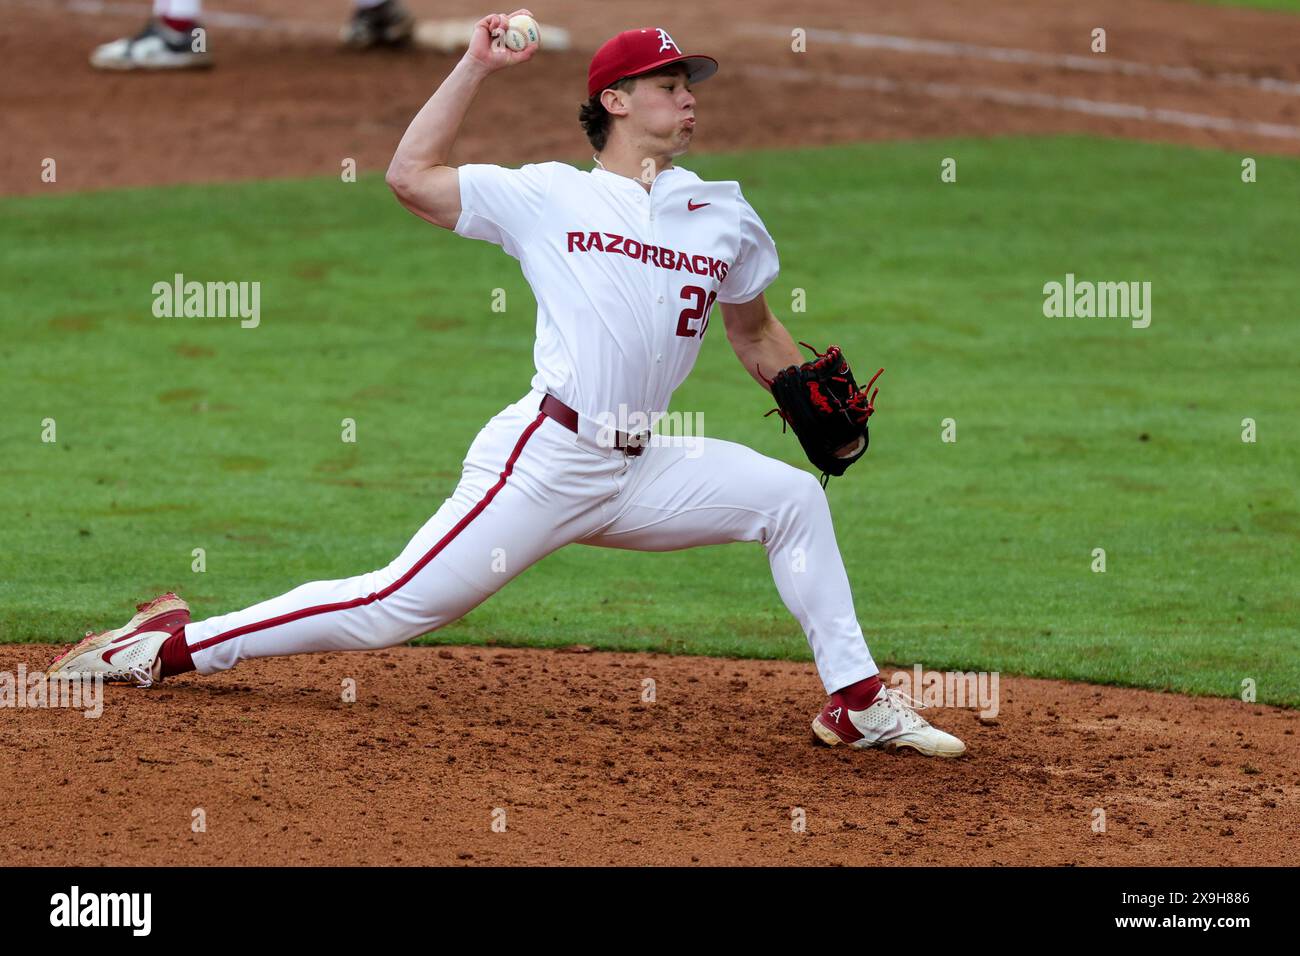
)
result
[(552, 407)]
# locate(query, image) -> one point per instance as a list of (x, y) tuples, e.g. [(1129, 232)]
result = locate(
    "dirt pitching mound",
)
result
[(440, 743)]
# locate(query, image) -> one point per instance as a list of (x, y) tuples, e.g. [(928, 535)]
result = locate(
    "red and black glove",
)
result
[(823, 405)]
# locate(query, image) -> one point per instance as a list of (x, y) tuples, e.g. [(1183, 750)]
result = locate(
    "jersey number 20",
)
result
[(694, 313)]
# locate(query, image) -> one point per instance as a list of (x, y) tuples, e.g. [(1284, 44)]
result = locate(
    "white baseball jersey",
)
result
[(625, 279)]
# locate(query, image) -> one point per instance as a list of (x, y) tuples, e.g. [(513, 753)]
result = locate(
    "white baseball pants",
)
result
[(530, 486)]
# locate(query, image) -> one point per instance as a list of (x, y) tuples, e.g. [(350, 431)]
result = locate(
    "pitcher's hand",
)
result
[(487, 46)]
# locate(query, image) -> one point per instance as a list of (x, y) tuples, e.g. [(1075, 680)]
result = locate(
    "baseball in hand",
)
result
[(521, 32)]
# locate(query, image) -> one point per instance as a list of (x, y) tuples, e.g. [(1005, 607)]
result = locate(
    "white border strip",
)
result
[(1094, 64), (1071, 104)]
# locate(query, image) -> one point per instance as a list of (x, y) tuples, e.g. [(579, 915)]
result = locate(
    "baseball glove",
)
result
[(823, 405)]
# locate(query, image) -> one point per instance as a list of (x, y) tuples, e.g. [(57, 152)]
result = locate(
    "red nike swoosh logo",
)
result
[(692, 206), (108, 654)]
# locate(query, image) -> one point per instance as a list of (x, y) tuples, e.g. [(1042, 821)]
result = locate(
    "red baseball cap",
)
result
[(634, 52)]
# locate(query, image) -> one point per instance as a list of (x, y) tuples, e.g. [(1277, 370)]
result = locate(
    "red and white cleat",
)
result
[(890, 722), (130, 652)]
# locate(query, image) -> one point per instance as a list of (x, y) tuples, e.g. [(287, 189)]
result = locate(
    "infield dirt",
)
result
[(283, 101), (713, 771)]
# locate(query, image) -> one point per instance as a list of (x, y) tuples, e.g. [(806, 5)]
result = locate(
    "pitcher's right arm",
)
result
[(419, 175)]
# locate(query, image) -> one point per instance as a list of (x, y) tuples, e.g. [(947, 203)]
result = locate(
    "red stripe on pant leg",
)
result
[(415, 569)]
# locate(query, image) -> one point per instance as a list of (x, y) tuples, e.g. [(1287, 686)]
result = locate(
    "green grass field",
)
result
[(175, 434), (1292, 6)]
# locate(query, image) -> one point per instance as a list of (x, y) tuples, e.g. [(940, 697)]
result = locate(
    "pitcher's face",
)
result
[(661, 108)]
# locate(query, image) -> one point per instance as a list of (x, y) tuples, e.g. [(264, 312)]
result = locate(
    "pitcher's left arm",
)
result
[(759, 339)]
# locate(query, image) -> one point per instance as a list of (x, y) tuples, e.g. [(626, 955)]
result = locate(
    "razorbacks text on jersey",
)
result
[(625, 279)]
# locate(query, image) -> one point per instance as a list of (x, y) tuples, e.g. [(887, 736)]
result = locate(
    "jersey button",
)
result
[(661, 300)]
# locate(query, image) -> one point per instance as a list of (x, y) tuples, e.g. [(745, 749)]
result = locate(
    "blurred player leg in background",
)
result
[(167, 41), (378, 23)]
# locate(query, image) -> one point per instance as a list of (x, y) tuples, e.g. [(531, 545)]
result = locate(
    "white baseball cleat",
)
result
[(890, 722), (156, 47), (130, 652)]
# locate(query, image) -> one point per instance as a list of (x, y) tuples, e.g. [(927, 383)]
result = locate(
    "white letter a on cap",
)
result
[(666, 42)]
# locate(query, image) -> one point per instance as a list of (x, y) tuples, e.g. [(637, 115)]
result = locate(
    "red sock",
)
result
[(180, 26), (175, 654), (856, 696)]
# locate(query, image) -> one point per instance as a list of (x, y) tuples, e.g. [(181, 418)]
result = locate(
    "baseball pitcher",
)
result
[(626, 261)]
